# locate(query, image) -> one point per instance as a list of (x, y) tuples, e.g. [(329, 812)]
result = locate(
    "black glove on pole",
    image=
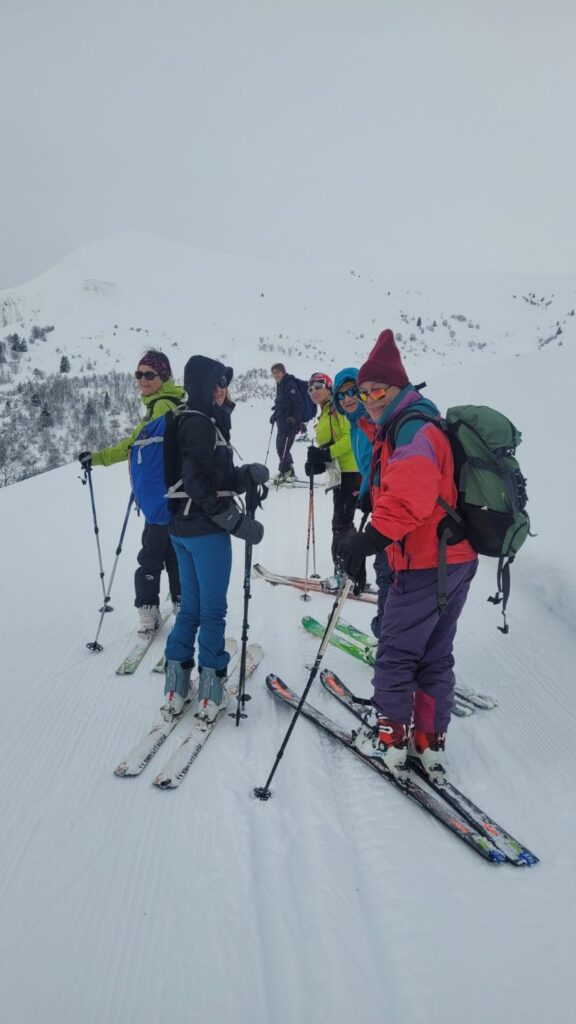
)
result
[(353, 550), (263, 792)]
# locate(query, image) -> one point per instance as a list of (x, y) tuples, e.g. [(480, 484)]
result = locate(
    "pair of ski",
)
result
[(363, 647), (329, 586), (442, 800), (176, 769)]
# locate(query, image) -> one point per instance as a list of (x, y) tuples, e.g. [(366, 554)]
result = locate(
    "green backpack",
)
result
[(492, 497)]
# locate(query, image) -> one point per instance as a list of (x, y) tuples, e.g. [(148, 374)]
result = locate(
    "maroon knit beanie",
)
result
[(384, 363), (157, 361)]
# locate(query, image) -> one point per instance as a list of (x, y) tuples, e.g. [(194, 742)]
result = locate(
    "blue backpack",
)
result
[(308, 408), (146, 465)]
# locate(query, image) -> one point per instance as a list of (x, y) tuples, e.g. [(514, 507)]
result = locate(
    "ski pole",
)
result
[(263, 792), (310, 533), (107, 607), (315, 575), (254, 498), (87, 479), (269, 443)]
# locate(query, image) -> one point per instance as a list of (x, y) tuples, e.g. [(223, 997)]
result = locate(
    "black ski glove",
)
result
[(85, 459), (249, 529), (233, 521), (353, 550), (317, 460), (252, 473), (272, 418)]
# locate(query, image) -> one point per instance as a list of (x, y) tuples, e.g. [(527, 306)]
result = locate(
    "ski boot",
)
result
[(211, 693), (176, 688), (150, 619), (428, 748), (387, 740)]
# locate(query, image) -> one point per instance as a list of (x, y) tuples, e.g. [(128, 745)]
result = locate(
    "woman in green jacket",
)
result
[(334, 446), (159, 394)]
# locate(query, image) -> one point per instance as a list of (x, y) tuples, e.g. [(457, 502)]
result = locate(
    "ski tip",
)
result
[(526, 859), (121, 769), (497, 857)]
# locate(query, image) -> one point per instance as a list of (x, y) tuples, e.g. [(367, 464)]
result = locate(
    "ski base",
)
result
[(312, 586), (513, 850), (143, 752), (135, 655), (406, 783), (150, 744), (177, 768)]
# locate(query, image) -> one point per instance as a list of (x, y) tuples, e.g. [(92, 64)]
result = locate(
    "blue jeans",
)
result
[(204, 563)]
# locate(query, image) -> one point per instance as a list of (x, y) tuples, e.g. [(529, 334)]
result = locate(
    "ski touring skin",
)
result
[(509, 846), (362, 648), (324, 586), (143, 752), (136, 653), (177, 768), (407, 783)]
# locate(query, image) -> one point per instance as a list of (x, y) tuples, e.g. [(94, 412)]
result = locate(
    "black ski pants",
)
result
[(156, 554), (345, 498), (284, 440)]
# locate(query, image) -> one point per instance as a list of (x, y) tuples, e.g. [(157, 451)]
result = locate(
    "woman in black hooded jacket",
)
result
[(204, 516)]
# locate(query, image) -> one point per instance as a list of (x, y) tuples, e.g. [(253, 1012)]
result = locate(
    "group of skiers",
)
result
[(385, 457)]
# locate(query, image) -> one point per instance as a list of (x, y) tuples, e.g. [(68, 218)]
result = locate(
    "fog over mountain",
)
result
[(401, 136)]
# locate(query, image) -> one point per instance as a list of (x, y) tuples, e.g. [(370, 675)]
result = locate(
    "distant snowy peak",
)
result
[(111, 298)]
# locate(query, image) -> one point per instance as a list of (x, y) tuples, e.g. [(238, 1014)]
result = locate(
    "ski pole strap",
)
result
[(503, 592), (255, 495)]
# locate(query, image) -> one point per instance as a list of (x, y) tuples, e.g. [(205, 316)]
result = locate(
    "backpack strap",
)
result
[(219, 442), (140, 443), (161, 398)]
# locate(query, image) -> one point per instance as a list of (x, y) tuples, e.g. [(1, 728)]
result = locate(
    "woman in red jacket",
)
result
[(412, 468)]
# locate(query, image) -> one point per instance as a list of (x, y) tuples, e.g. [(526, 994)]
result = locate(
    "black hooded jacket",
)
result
[(205, 463), (288, 401)]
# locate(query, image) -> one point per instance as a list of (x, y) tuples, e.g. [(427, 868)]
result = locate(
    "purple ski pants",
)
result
[(414, 672)]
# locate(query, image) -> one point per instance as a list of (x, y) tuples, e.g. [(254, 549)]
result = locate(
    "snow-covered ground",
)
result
[(337, 899)]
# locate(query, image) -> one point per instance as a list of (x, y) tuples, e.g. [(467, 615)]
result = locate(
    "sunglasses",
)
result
[(373, 395), (145, 375), (347, 393), (317, 386), (221, 383)]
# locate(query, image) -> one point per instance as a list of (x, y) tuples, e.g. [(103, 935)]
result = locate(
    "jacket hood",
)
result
[(348, 373), (201, 375), (409, 400)]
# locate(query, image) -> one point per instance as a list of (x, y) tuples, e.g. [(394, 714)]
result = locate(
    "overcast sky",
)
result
[(399, 133)]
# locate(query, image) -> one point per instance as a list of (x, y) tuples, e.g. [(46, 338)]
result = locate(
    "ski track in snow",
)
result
[(337, 898)]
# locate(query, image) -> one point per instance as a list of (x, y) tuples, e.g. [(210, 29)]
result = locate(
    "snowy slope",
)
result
[(337, 899), (110, 299)]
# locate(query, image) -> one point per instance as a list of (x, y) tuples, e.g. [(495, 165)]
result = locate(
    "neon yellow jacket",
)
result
[(156, 405), (333, 430)]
